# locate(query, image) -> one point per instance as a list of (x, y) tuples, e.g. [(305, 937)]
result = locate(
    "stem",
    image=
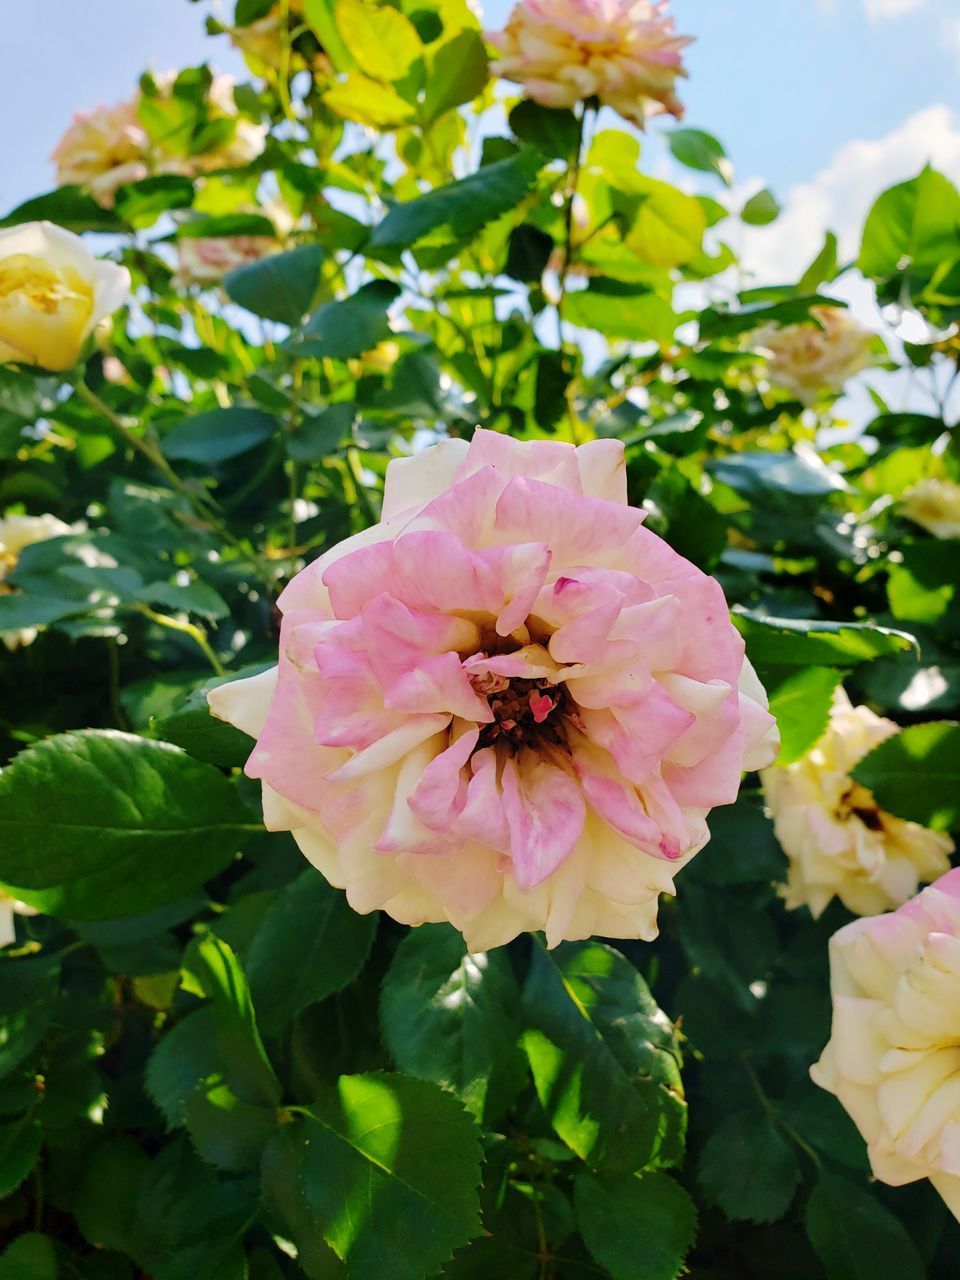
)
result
[(573, 179), (196, 634), (774, 1116)]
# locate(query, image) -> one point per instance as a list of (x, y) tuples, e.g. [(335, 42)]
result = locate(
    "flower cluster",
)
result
[(508, 705), (839, 843), (893, 1058), (108, 146), (53, 294), (624, 53), (817, 357)]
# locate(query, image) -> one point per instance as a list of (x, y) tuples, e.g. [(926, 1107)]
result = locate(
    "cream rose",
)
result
[(893, 1058), (934, 504), (102, 149), (839, 843), (53, 294), (808, 360), (17, 532)]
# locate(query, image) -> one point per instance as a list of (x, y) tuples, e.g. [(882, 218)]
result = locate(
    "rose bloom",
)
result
[(893, 1058), (53, 293), (102, 149), (205, 260), (935, 505), (623, 52), (508, 705), (807, 360), (17, 532), (839, 843)]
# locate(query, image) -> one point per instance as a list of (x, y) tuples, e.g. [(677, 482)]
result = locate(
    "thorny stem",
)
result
[(196, 634)]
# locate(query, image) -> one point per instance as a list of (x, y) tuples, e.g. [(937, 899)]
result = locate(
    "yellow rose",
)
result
[(837, 839), (101, 150), (53, 294), (934, 504)]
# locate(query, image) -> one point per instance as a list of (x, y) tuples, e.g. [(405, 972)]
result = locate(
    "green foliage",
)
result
[(197, 1032)]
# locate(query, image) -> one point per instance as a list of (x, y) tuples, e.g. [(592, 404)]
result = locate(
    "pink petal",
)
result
[(545, 813), (442, 792), (546, 460)]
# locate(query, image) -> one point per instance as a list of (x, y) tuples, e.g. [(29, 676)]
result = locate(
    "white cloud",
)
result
[(877, 10), (839, 197)]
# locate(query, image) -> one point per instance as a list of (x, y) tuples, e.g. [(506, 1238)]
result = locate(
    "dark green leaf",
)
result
[(759, 474), (914, 226), (553, 131), (310, 944), (321, 432), (453, 1017), (279, 287), (916, 774), (20, 1144), (341, 330), (730, 324), (69, 207), (98, 824), (30, 1257), (226, 1132), (604, 1058), (638, 1228), (457, 71), (856, 1238), (528, 252), (186, 1054), (748, 1168), (814, 642), (700, 150), (209, 438)]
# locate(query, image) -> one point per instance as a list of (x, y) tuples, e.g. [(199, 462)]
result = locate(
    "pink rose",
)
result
[(893, 1058), (508, 705), (624, 52)]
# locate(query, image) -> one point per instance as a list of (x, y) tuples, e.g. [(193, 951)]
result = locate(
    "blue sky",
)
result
[(784, 83)]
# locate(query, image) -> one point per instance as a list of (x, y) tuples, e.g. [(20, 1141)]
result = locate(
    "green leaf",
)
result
[(666, 228), (342, 330), (801, 705), (815, 642), (464, 207), (20, 1144), (367, 102), (730, 324), (243, 1059), (702, 151), (69, 207), (390, 1175), (220, 434), (621, 310), (638, 1228), (226, 1132), (311, 943), (279, 287), (185, 1055), (822, 269), (761, 209), (914, 226), (321, 432), (856, 1237), (552, 130), (30, 1257), (916, 774), (383, 42), (457, 71), (141, 203), (748, 1168), (98, 824), (29, 991), (926, 583), (202, 735), (283, 1194), (323, 22), (452, 1017), (105, 1202), (192, 597), (604, 1058), (218, 226), (528, 252)]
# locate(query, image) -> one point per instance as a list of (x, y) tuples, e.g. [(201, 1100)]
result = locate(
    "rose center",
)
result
[(858, 802), (527, 713)]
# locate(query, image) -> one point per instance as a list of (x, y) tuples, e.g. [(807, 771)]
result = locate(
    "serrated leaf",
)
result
[(390, 1175), (916, 774), (604, 1058), (226, 1132), (185, 1055), (283, 1193), (638, 1228), (310, 944), (347, 328), (191, 726), (452, 1017), (856, 1237), (20, 1144), (749, 1169), (98, 824), (30, 1257), (457, 71), (815, 642), (464, 207)]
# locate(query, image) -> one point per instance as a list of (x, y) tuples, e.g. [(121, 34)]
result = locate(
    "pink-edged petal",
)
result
[(553, 463), (482, 817), (403, 831), (654, 628), (390, 748), (545, 811), (441, 794), (615, 799), (521, 571), (577, 530), (399, 639), (467, 509), (714, 781), (411, 482), (717, 710), (532, 662), (438, 684)]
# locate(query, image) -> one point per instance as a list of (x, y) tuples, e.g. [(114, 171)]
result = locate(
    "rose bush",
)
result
[(433, 435)]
